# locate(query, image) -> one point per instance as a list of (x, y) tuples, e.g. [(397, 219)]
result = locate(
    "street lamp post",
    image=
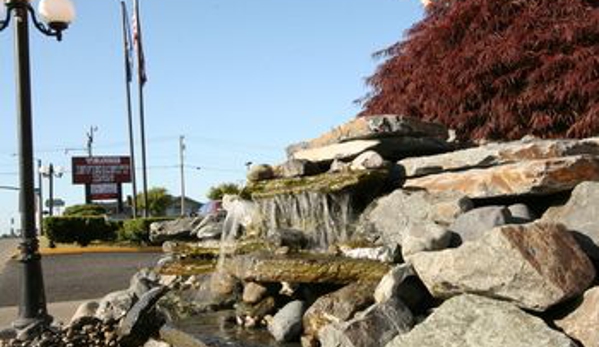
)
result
[(57, 14), (50, 172)]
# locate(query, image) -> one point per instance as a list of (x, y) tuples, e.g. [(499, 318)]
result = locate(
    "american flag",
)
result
[(137, 41), (128, 44)]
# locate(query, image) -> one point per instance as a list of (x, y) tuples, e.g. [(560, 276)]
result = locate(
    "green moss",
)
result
[(188, 267), (324, 183)]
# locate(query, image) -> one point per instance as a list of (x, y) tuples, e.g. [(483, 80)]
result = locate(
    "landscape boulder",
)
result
[(393, 217), (260, 172), (532, 177), (580, 216), (142, 321), (581, 324), (474, 321), (286, 325), (298, 168), (367, 161), (374, 327), (495, 154), (178, 229), (475, 223), (374, 127), (534, 265), (115, 305), (337, 306)]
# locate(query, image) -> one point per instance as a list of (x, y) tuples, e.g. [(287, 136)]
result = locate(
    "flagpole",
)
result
[(141, 80), (128, 78)]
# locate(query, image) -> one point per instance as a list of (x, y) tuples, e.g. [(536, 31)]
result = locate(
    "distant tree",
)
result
[(217, 192), (496, 69), (159, 200), (85, 210)]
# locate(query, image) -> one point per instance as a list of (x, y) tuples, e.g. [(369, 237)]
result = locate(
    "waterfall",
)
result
[(325, 218)]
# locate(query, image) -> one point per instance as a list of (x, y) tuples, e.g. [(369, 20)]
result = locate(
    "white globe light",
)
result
[(57, 11)]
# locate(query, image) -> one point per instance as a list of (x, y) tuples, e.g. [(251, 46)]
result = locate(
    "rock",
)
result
[(156, 343), (533, 177), (142, 321), (433, 240), (393, 148), (142, 281), (178, 338), (372, 328), (294, 239), (581, 324), (337, 306), (298, 168), (339, 166), (253, 292), (223, 284), (383, 254), (304, 269), (115, 305), (286, 325), (252, 315), (86, 309), (368, 160), (391, 282), (392, 217), (178, 229), (495, 154), (535, 266), (580, 216), (474, 321), (475, 223), (374, 127), (211, 227), (7, 334), (521, 214), (260, 173)]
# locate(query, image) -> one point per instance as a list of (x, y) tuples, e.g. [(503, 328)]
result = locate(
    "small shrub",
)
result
[(84, 210), (138, 230), (80, 230)]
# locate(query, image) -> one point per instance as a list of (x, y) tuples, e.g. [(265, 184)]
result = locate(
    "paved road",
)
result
[(77, 277), (7, 249)]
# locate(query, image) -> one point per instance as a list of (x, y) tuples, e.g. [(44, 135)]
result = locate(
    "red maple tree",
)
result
[(496, 69)]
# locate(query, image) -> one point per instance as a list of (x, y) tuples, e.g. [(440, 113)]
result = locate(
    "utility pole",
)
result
[(90, 140), (182, 163), (90, 143), (40, 198)]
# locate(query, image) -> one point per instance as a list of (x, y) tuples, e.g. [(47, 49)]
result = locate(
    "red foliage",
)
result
[(496, 69)]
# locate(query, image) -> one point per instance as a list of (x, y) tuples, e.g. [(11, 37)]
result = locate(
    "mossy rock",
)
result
[(304, 268), (324, 183)]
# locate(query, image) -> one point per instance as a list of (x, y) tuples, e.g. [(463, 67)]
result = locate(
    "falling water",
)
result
[(326, 218)]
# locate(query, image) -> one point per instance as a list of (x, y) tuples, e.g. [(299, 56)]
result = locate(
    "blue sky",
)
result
[(241, 79)]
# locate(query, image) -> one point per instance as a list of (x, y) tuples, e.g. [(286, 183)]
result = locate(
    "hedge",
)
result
[(82, 230), (138, 230), (84, 210)]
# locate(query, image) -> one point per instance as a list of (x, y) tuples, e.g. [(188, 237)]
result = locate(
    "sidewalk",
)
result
[(61, 311), (8, 248)]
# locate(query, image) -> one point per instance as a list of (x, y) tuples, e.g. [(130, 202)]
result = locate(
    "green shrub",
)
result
[(80, 230), (85, 210), (138, 230)]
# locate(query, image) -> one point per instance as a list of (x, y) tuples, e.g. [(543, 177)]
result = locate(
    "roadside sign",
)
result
[(100, 170)]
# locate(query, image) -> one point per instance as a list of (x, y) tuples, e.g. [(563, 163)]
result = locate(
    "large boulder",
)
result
[(535, 266), (581, 324), (142, 321), (416, 214), (392, 148), (298, 168), (473, 224), (286, 325), (374, 327), (532, 177), (304, 269), (494, 154), (337, 306), (580, 216), (374, 127), (115, 305), (474, 321), (179, 229)]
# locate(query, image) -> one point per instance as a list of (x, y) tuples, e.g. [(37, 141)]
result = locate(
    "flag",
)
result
[(128, 44), (137, 40)]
